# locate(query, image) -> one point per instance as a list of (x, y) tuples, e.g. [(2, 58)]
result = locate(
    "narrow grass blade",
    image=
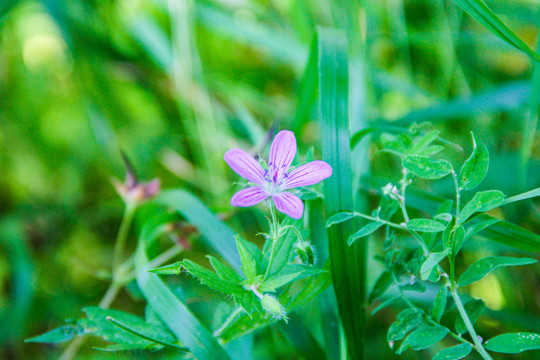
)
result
[(173, 312), (483, 14), (214, 232), (347, 262)]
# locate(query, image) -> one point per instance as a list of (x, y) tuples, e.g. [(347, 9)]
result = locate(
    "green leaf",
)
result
[(514, 343), (482, 201), (433, 260), (423, 338), (381, 285), (58, 335), (475, 168), (173, 269), (482, 267), (174, 313), (426, 167), (483, 14), (223, 271), (288, 274), (364, 231), (425, 225), (474, 308), (347, 262), (143, 335), (249, 263), (407, 320), (339, 218), (439, 304), (454, 353), (385, 305), (458, 237), (212, 280), (422, 142)]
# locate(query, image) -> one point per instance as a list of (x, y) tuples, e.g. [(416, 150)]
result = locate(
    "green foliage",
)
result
[(425, 225), (364, 231), (482, 267), (482, 201), (454, 353), (423, 338), (514, 343), (406, 321), (426, 167), (475, 168)]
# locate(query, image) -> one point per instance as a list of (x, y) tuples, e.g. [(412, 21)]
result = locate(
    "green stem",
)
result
[(478, 345), (402, 200), (274, 234), (121, 238), (230, 319)]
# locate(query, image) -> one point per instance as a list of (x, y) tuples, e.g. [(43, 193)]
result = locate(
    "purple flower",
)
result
[(276, 179)]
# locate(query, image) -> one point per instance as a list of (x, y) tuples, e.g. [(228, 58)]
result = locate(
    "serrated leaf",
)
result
[(211, 279), (223, 271), (474, 308), (439, 304), (513, 343), (433, 260), (381, 285), (249, 262), (423, 338), (482, 201), (426, 167), (475, 168), (454, 353), (482, 267), (339, 218), (58, 335), (425, 225), (173, 269), (423, 141), (364, 231), (407, 320)]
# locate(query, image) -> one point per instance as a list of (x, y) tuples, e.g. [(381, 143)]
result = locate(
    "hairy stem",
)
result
[(274, 234), (478, 345)]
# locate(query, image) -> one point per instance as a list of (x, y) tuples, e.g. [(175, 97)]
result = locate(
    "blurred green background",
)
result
[(176, 83)]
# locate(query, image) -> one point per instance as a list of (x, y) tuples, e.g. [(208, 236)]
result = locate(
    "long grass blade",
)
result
[(347, 262)]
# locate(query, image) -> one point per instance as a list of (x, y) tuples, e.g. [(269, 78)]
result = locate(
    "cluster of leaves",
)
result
[(439, 239), (262, 295), (126, 331)]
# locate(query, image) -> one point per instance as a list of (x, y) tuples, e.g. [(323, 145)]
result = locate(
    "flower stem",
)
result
[(274, 234), (121, 238), (478, 345)]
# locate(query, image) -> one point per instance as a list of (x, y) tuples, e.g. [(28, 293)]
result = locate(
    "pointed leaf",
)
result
[(423, 338), (482, 201), (339, 218), (224, 271), (439, 304), (482, 267), (407, 320), (433, 260), (249, 263), (479, 226), (211, 280), (422, 142), (475, 168), (364, 231), (381, 285), (173, 269), (58, 335)]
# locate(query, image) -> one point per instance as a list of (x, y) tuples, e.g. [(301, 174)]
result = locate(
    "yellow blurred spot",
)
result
[(42, 49), (489, 290)]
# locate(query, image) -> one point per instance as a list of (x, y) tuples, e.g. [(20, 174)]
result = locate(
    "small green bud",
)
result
[(273, 306), (305, 253)]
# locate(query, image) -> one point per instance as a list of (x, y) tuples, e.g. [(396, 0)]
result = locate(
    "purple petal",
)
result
[(289, 204), (245, 165), (282, 153), (249, 196), (307, 174)]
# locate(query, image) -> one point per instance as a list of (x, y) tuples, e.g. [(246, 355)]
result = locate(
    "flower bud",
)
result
[(273, 306), (305, 253)]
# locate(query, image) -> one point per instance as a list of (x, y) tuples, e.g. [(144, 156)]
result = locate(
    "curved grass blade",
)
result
[(483, 14), (214, 232), (173, 312), (347, 262)]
